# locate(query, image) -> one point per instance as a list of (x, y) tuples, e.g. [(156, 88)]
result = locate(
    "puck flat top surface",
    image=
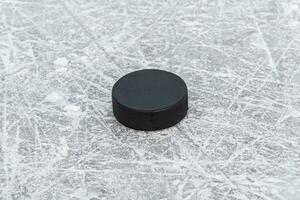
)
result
[(149, 99), (149, 90)]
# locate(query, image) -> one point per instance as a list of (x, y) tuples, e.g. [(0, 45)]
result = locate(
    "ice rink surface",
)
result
[(59, 139)]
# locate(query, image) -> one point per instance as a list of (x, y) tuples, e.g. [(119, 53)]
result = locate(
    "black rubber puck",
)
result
[(149, 99)]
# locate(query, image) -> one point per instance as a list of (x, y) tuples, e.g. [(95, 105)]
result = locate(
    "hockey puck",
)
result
[(150, 99)]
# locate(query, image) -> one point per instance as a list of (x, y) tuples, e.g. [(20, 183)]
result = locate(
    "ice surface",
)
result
[(59, 60)]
